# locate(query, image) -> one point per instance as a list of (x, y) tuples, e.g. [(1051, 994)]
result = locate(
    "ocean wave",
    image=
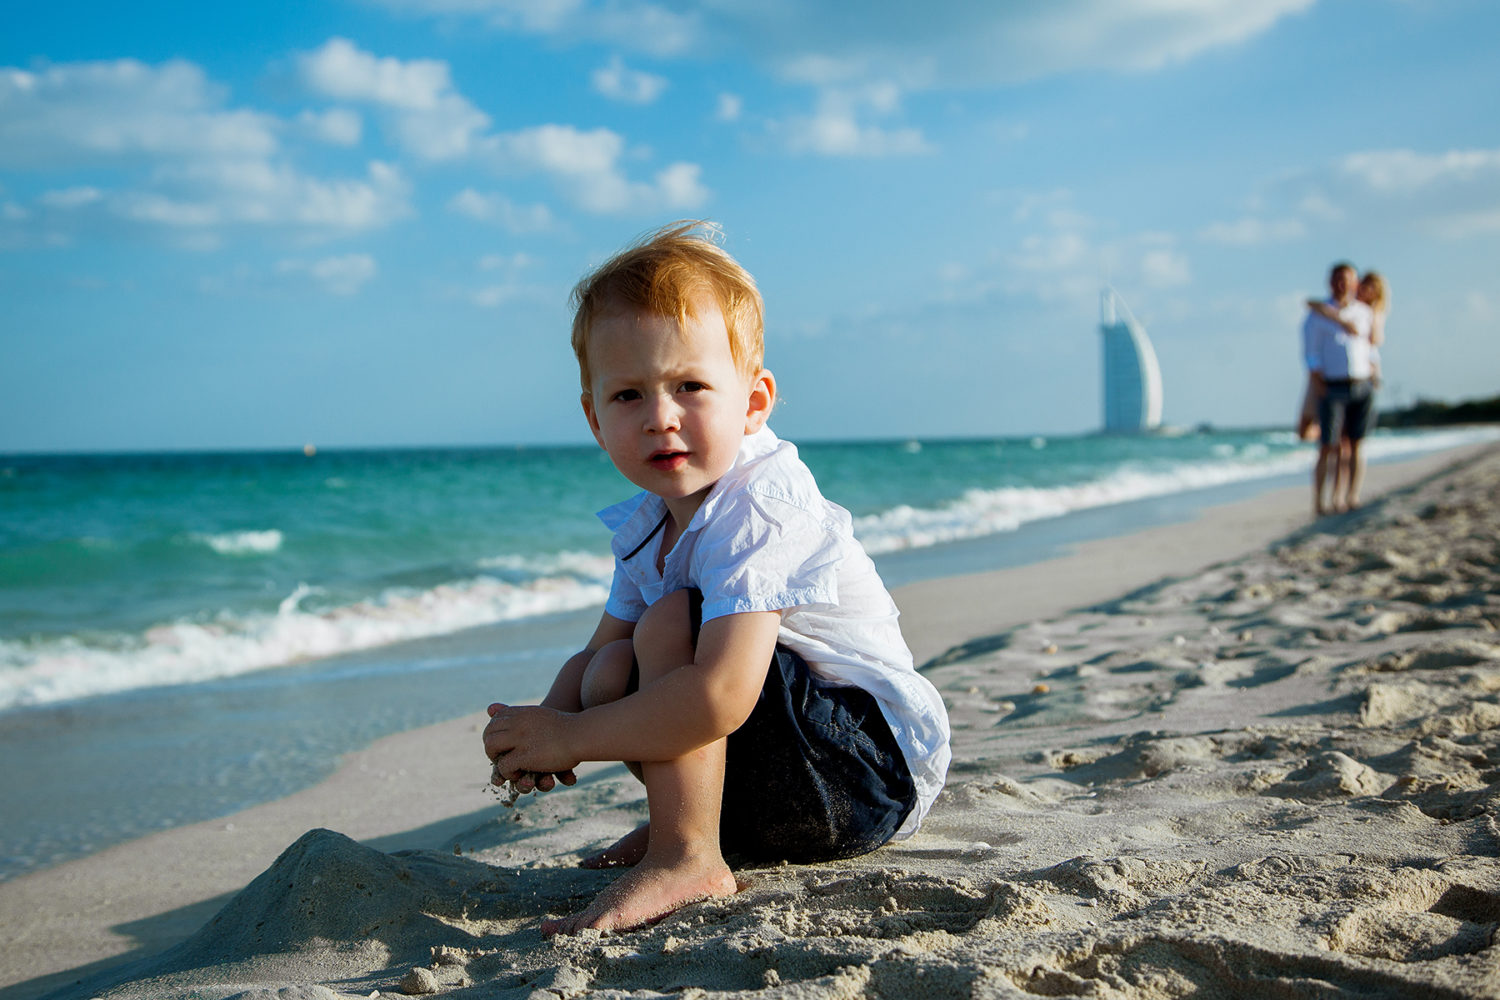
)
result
[(242, 543), (54, 670), (978, 513), (584, 565)]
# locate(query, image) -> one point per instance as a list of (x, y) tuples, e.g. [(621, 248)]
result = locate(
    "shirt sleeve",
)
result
[(625, 600), (1311, 356), (762, 553)]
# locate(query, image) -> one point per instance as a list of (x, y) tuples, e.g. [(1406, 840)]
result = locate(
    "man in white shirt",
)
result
[(1339, 369)]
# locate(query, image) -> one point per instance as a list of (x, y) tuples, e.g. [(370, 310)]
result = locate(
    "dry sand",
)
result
[(1274, 774)]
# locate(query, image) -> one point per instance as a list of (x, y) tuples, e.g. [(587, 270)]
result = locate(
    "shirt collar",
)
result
[(632, 520)]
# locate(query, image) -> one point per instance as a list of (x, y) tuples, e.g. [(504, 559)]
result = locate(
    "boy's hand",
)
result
[(528, 746)]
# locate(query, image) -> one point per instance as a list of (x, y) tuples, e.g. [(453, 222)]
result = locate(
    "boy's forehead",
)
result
[(625, 319)]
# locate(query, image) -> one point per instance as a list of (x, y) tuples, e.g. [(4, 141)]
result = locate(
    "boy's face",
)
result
[(668, 403)]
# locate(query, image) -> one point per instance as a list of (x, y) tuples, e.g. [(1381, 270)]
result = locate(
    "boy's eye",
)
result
[(626, 395), (693, 387)]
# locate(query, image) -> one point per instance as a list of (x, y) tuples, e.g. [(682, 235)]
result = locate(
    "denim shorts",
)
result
[(814, 774), (1347, 410)]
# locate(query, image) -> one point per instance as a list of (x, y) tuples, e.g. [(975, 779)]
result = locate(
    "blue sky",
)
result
[(357, 223)]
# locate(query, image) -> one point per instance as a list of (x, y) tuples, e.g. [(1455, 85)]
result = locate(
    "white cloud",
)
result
[(681, 186), (634, 24), (427, 116), (836, 127), (618, 82), (178, 158), (1404, 171), (342, 70), (729, 107), (503, 262), (1250, 231), (1450, 195), (254, 192), (498, 209), (941, 43), (71, 198), (507, 285), (336, 126), (958, 43), (342, 275), (1062, 258), (81, 114), (586, 164), (1164, 268)]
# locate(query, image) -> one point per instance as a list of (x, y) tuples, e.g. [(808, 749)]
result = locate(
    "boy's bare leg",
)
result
[(682, 863), (623, 853), (679, 861), (605, 680)]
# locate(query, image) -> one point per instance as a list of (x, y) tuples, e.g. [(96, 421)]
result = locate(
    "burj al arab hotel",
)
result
[(1132, 379)]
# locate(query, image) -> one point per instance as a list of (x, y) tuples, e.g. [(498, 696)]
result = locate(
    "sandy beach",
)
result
[(1247, 755)]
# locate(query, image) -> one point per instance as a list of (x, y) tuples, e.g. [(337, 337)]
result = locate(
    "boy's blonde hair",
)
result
[(663, 273)]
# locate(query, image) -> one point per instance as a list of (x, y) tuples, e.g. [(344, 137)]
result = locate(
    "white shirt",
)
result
[(765, 539), (1334, 352)]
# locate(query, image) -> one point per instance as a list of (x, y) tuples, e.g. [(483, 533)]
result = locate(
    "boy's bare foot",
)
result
[(650, 891), (623, 853)]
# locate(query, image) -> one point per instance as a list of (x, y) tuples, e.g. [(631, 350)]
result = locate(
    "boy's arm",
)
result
[(687, 708)]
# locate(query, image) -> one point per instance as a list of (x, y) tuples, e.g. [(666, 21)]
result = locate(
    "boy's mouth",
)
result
[(667, 460)]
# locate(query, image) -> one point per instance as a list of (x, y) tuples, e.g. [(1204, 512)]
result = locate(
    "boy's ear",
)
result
[(762, 400), (587, 399)]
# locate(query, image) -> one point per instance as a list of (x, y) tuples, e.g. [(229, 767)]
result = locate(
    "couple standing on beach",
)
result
[(1341, 338)]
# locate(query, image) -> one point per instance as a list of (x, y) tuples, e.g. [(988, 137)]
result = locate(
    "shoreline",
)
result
[(132, 900)]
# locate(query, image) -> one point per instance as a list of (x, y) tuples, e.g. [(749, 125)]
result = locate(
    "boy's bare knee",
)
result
[(664, 635), (608, 674)]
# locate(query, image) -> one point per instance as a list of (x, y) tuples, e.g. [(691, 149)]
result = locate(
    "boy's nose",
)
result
[(665, 415)]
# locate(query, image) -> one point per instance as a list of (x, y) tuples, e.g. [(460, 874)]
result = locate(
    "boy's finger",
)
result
[(545, 783), (567, 777), (496, 709)]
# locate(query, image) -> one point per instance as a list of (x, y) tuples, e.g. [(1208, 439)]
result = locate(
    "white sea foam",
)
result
[(243, 543), (36, 673), (986, 512)]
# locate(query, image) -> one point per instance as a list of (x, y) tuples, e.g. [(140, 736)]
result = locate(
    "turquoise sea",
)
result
[(188, 634)]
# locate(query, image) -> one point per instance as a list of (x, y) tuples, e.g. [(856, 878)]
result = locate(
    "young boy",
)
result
[(748, 662)]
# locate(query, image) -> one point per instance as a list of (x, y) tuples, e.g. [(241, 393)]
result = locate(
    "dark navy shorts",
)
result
[(814, 774), (1346, 410)]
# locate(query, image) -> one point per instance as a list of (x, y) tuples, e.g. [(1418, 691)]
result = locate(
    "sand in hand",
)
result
[(1279, 777)]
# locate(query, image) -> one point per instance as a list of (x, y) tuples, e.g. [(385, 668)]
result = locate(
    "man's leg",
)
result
[(1356, 473), (681, 861), (1320, 476)]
